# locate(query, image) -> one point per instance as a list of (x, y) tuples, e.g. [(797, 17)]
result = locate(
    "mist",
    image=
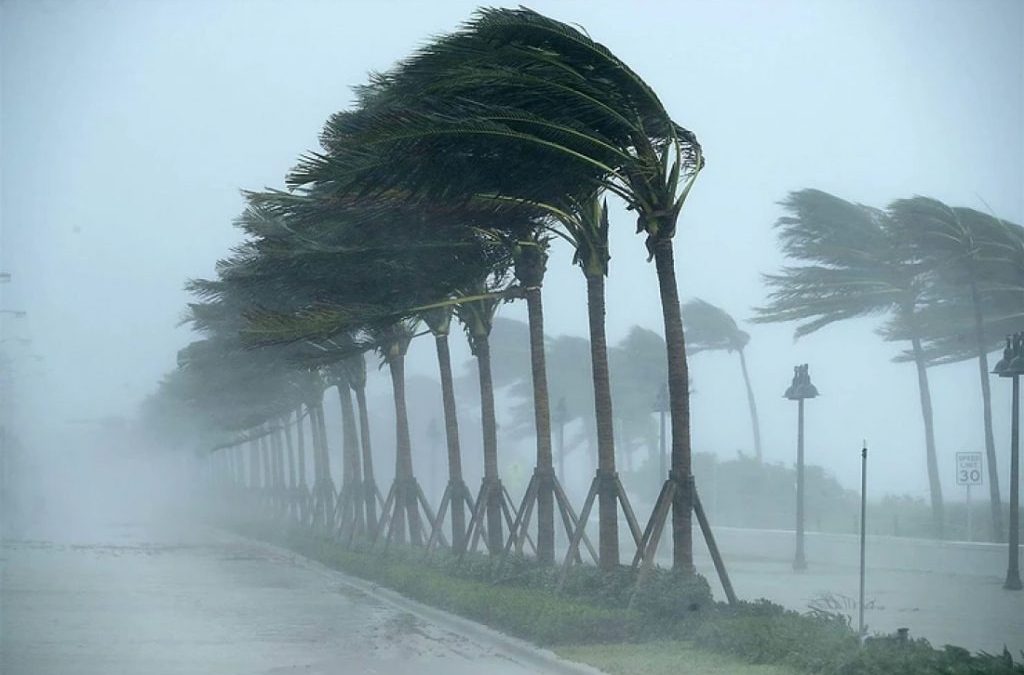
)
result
[(129, 131)]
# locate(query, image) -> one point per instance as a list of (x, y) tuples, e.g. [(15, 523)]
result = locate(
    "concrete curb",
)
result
[(544, 660)]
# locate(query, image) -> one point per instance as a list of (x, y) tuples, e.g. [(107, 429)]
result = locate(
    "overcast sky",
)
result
[(128, 129)]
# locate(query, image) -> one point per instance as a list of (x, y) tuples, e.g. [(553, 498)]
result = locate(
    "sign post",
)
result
[(968, 473)]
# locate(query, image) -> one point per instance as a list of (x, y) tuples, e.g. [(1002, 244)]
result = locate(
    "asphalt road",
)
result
[(173, 600), (947, 592)]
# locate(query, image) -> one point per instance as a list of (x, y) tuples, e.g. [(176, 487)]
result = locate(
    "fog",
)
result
[(129, 128)]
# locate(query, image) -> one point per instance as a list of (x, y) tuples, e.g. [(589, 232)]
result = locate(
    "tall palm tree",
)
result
[(350, 517), (355, 366), (961, 245), (711, 328), (510, 96), (456, 494), (477, 317), (852, 263), (585, 224)]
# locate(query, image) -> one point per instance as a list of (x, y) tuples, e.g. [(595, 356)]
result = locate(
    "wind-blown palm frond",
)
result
[(854, 264)]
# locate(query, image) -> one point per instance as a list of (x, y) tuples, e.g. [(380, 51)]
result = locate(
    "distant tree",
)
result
[(968, 251), (852, 263), (711, 328)]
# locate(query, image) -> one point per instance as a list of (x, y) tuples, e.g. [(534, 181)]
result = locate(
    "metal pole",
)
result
[(1013, 568), (863, 532), (970, 536), (799, 560)]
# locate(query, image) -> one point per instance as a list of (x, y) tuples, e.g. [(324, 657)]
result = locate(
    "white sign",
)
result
[(968, 468)]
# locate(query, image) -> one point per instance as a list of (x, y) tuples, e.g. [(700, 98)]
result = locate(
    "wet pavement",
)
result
[(946, 592), (138, 599)]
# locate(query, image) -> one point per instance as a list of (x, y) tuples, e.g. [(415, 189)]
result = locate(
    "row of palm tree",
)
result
[(948, 280), (438, 194)]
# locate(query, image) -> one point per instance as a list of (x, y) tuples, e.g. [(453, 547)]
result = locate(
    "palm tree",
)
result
[(711, 328), (477, 317), (456, 494), (542, 112), (355, 366), (349, 509), (964, 246), (586, 227), (853, 263)]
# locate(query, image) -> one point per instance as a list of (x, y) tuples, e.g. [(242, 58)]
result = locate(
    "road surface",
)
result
[(173, 600), (947, 592)]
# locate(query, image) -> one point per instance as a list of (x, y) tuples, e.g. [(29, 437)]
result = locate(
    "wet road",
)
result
[(947, 592), (131, 599)]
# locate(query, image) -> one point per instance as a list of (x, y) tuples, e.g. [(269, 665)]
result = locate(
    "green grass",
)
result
[(664, 658)]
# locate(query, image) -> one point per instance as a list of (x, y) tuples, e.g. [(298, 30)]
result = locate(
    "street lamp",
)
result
[(661, 407), (1012, 365), (800, 389), (561, 416)]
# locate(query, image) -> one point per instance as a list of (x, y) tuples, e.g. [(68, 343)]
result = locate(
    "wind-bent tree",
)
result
[(477, 317), (711, 328), (966, 248), (456, 494), (585, 225), (510, 96), (852, 263)]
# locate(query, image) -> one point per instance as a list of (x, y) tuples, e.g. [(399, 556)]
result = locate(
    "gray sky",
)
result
[(129, 127)]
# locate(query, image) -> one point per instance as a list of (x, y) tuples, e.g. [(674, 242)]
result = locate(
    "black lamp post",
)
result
[(1012, 365), (561, 416), (661, 407), (800, 389)]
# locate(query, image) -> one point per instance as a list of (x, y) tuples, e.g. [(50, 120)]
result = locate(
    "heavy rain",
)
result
[(405, 337)]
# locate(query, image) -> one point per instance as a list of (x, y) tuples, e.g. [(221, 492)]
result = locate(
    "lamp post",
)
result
[(661, 407), (561, 415), (799, 390), (1012, 366)]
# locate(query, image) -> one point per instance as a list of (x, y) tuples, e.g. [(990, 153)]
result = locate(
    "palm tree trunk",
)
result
[(608, 524), (292, 483), (934, 482), (351, 478), (406, 496), (986, 398), (327, 484), (542, 424), (369, 482), (679, 407), (451, 429), (495, 539), (755, 423), (254, 464), (300, 446)]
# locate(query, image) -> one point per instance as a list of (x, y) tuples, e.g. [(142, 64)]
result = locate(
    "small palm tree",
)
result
[(711, 328)]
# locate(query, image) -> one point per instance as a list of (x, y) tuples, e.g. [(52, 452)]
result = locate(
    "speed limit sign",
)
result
[(968, 468)]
